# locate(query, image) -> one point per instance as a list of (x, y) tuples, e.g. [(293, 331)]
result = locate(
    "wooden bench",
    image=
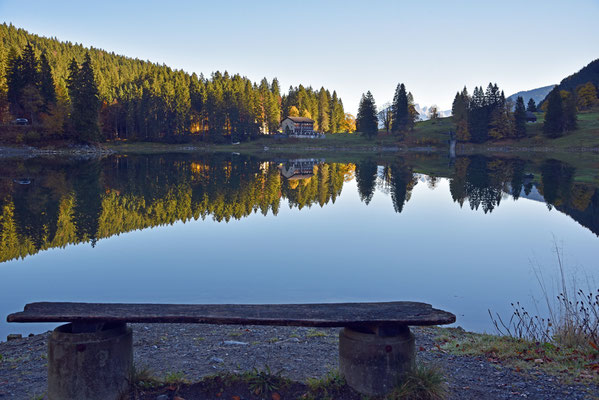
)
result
[(91, 357)]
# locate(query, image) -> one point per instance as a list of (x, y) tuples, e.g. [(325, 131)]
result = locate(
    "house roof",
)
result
[(300, 119)]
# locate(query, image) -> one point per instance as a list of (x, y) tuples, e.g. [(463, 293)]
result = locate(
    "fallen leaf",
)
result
[(276, 396), (538, 361), (178, 398), (421, 348), (236, 398)]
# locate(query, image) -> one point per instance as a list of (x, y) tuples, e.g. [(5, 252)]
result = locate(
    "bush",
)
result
[(32, 136)]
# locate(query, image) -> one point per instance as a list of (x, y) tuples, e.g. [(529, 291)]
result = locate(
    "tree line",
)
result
[(140, 100)]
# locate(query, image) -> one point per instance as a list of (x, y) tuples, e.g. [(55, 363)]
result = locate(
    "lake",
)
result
[(466, 235)]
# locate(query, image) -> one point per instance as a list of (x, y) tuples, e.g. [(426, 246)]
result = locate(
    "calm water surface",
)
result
[(465, 236)]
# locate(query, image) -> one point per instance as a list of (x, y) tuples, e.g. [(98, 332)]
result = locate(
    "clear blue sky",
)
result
[(434, 47)]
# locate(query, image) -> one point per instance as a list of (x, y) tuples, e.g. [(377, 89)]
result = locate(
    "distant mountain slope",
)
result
[(536, 94)]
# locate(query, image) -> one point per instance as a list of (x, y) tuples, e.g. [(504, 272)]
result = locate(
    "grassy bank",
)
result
[(427, 136), (565, 362)]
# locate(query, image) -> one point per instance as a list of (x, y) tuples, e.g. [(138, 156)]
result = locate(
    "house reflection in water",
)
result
[(301, 168)]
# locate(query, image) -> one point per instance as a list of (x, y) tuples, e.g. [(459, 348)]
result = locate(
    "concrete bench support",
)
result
[(93, 365), (373, 362)]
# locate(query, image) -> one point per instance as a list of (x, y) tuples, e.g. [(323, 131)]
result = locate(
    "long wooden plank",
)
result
[(316, 315)]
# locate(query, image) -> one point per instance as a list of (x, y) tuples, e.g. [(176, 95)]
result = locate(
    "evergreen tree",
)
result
[(29, 67), (459, 112), (85, 104), (520, 118), (47, 89), (14, 80), (532, 106), (367, 120), (401, 113), (570, 111), (336, 113), (553, 126), (324, 111), (366, 179)]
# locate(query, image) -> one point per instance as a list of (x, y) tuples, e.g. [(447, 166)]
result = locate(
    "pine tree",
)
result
[(47, 89), (85, 104), (323, 111), (520, 118), (367, 120), (570, 118), (14, 80), (459, 111), (532, 106), (553, 126), (401, 113), (336, 114), (29, 67)]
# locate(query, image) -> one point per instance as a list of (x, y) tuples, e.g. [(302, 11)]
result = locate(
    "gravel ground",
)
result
[(299, 353)]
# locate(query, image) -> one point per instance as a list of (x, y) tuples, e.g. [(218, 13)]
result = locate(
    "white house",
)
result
[(299, 127)]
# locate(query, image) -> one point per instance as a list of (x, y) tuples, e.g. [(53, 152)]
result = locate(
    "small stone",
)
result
[(162, 397), (14, 336), (235, 342), (217, 360)]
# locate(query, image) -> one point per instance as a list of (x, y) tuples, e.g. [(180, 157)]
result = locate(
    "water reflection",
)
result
[(54, 203)]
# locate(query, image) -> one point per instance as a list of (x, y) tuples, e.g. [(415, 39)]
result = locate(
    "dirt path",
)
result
[(299, 353)]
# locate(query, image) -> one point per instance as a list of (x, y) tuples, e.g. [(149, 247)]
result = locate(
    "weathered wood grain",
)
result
[(315, 315)]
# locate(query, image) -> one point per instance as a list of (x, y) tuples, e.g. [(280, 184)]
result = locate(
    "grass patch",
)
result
[(424, 383), (568, 363), (175, 378), (331, 382), (312, 333), (264, 382)]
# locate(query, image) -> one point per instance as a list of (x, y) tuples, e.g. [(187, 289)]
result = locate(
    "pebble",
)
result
[(217, 360), (162, 397), (235, 342)]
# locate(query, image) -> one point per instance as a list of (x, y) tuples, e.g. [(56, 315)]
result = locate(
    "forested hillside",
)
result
[(140, 100), (582, 79)]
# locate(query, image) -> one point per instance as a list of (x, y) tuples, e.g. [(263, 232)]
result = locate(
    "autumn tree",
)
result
[(385, 115), (586, 96), (349, 123), (433, 113)]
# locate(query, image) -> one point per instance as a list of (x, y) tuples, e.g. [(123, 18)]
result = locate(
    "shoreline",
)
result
[(194, 352), (107, 149)]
